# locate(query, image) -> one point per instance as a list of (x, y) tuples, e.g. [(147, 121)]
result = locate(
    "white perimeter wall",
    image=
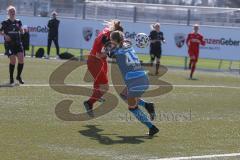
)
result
[(222, 43)]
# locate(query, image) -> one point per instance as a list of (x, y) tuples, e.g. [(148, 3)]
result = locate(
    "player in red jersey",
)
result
[(194, 40), (97, 64)]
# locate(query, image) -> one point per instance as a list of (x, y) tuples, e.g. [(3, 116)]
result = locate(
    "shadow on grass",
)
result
[(8, 85), (94, 133)]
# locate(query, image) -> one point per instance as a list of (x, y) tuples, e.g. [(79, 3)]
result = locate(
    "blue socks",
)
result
[(141, 102), (142, 117)]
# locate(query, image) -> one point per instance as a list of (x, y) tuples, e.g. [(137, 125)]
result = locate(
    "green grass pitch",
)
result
[(196, 118), (166, 60)]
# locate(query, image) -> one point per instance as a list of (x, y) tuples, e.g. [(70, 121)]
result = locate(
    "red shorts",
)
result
[(98, 69), (193, 56)]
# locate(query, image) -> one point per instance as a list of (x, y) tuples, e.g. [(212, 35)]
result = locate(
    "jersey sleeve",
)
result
[(57, 23), (49, 24), (2, 26), (98, 42), (151, 37), (20, 24), (105, 39), (188, 39), (202, 41), (162, 37), (97, 45)]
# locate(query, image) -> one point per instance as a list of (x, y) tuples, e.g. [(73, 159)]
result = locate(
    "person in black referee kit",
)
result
[(156, 40), (11, 29), (53, 25)]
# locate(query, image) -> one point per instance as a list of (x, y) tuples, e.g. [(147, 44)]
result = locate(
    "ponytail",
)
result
[(117, 26), (114, 25)]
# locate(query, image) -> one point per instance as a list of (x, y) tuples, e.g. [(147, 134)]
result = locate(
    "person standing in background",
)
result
[(194, 40), (156, 39), (53, 25)]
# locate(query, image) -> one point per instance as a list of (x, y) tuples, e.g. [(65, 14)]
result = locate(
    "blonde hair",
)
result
[(196, 25), (54, 13), (10, 8), (153, 26), (114, 25)]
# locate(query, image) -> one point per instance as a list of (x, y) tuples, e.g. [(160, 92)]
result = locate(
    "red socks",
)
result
[(97, 94), (190, 64), (193, 69)]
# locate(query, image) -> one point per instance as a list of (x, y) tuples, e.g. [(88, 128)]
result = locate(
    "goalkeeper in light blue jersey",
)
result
[(135, 78)]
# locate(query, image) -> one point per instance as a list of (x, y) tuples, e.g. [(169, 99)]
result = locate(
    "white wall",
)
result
[(223, 43)]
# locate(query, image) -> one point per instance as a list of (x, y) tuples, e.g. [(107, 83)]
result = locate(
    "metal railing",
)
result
[(125, 11)]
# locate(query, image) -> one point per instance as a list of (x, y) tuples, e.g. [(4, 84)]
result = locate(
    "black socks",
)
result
[(19, 69), (11, 71)]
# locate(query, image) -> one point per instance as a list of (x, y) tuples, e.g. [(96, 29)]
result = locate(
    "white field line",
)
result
[(202, 157), (175, 86)]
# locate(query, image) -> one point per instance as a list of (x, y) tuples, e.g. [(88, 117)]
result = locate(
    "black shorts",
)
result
[(13, 48), (155, 53)]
